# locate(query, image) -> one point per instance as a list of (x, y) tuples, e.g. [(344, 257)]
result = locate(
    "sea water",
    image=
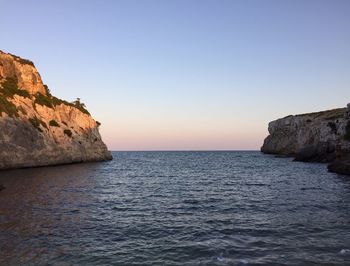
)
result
[(176, 208)]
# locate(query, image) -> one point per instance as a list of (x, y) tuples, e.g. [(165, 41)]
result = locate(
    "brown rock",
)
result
[(38, 131), (23, 71)]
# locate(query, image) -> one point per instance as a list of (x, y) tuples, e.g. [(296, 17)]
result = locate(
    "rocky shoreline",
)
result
[(37, 128), (315, 137)]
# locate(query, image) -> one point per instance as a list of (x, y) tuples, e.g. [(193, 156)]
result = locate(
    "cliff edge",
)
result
[(314, 137), (38, 129)]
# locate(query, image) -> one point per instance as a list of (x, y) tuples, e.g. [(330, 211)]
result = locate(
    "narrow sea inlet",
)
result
[(176, 208)]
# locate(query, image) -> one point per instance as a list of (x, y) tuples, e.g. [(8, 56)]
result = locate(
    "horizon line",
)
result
[(182, 150)]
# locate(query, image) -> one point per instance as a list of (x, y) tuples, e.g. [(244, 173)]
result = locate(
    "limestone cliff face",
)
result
[(319, 137), (23, 70), (38, 129)]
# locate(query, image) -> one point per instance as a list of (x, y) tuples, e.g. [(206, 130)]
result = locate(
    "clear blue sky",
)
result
[(182, 74)]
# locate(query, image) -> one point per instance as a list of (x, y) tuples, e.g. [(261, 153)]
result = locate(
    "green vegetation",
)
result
[(336, 115), (9, 88), (347, 131), (333, 127), (43, 100), (48, 100), (332, 114), (68, 132), (81, 106), (36, 122), (47, 90), (53, 123), (22, 61), (8, 107), (327, 115), (51, 101)]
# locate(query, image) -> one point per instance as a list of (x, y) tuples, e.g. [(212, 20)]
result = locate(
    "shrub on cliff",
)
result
[(43, 100), (22, 60), (51, 101), (81, 106), (36, 122), (7, 107), (47, 90), (53, 123), (9, 88), (333, 127), (68, 132)]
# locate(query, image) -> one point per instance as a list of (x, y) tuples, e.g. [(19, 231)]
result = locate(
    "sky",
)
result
[(186, 74)]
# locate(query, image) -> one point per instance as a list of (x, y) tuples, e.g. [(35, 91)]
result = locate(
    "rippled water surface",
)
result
[(176, 208)]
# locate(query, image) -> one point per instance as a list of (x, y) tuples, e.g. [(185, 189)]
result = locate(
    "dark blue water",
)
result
[(176, 208)]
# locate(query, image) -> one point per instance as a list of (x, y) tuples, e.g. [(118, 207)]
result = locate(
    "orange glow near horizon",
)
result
[(134, 134)]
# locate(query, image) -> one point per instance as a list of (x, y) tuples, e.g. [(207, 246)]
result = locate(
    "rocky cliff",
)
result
[(38, 129), (314, 137)]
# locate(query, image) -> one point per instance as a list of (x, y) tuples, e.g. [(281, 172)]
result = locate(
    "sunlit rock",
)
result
[(38, 129)]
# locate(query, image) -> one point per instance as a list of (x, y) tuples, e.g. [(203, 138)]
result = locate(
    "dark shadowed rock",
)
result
[(314, 137), (341, 166), (324, 152)]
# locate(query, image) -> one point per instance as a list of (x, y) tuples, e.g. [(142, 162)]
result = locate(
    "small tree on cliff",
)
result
[(78, 103), (81, 106)]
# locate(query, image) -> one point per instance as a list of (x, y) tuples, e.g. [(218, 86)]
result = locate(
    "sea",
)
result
[(176, 208)]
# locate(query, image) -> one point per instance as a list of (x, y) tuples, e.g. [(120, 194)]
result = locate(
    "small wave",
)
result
[(310, 188), (191, 201), (258, 184), (242, 262), (345, 252), (221, 258)]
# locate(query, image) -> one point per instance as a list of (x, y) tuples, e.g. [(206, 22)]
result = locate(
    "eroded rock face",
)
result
[(314, 137), (23, 71), (37, 129)]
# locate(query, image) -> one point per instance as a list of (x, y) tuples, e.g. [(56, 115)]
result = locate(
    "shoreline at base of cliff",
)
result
[(315, 137), (106, 159)]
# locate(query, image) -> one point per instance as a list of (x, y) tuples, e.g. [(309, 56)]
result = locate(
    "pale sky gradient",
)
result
[(186, 74)]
